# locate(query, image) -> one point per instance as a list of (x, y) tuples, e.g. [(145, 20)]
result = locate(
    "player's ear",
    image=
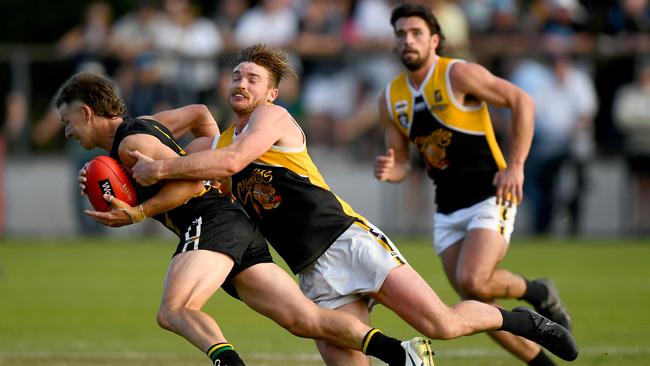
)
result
[(86, 112), (272, 94), (435, 41)]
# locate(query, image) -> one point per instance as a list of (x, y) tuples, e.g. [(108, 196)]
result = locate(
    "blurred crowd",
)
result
[(585, 64)]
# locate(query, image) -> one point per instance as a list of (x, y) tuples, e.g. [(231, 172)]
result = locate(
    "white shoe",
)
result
[(418, 352)]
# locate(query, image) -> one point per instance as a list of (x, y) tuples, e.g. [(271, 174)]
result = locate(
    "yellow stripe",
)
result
[(380, 240), (217, 347), (366, 340), (492, 141), (172, 140)]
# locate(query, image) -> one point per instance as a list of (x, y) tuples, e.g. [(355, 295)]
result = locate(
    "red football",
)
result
[(106, 175)]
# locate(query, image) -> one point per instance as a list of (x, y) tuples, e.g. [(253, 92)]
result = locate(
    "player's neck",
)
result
[(416, 77), (107, 135), (241, 122)]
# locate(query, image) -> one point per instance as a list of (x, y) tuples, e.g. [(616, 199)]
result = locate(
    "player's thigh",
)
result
[(406, 293), (270, 291), (449, 258), (480, 253), (194, 276)]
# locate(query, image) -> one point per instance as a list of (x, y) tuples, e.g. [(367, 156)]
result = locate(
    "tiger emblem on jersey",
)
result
[(265, 196), (433, 148), (258, 191)]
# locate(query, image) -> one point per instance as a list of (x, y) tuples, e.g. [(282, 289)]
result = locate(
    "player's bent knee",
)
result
[(474, 288), (164, 319)]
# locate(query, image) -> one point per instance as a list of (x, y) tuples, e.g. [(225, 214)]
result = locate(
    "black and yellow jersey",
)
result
[(456, 142), (207, 204), (286, 196)]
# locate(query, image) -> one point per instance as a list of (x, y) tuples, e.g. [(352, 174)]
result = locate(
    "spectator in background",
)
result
[(632, 117), (330, 88), (273, 22), (187, 49), (373, 66), (626, 33), (15, 121), (453, 20), (226, 17), (566, 104), (87, 45), (133, 42)]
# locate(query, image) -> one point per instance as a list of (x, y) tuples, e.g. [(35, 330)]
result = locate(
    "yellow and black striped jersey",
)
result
[(455, 141), (285, 194)]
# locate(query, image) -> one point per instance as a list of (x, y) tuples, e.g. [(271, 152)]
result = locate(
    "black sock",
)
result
[(385, 348), (225, 354), (535, 293), (515, 322), (541, 359)]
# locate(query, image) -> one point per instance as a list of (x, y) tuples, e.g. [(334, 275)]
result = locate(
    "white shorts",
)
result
[(450, 228), (356, 264)]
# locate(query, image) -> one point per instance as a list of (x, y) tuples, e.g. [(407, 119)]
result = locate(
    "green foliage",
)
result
[(93, 302)]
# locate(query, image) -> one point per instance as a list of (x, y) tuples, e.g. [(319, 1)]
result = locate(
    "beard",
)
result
[(415, 63), (244, 109)]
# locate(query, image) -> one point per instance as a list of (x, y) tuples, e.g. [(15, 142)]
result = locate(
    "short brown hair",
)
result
[(97, 91), (422, 11), (274, 60)]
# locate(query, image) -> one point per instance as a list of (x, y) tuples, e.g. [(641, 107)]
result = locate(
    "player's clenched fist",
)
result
[(384, 164), (144, 170)]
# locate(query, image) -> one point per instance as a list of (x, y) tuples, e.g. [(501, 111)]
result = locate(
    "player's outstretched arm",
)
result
[(267, 126)]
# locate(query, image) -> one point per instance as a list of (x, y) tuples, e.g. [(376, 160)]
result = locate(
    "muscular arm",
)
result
[(469, 79), (195, 118), (473, 79), (396, 164), (268, 125), (173, 193)]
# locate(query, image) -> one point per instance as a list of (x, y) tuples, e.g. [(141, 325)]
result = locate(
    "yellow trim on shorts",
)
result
[(380, 240), (383, 241)]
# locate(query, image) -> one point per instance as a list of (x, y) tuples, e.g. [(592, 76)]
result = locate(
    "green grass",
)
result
[(93, 302)]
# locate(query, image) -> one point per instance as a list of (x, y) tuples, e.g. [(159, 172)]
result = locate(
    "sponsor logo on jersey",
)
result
[(403, 119), (401, 106), (437, 96), (485, 217)]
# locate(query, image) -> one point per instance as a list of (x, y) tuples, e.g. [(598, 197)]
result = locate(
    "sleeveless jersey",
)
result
[(286, 196), (207, 204), (456, 142)]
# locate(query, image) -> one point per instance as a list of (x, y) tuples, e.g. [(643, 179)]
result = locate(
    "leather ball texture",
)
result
[(106, 175)]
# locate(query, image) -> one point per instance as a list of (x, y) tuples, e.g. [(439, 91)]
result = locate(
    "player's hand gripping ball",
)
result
[(106, 175)]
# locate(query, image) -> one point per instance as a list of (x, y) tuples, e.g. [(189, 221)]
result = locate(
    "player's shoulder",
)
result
[(271, 112), (271, 109)]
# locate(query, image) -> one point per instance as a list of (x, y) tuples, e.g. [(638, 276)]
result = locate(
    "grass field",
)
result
[(93, 302)]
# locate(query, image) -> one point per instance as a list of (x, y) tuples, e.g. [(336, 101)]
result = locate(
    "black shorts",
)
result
[(229, 232)]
